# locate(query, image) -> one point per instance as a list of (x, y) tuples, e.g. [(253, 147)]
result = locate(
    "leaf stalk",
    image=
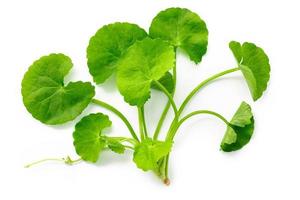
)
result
[(119, 114)]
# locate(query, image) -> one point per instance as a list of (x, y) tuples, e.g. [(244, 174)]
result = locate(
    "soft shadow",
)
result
[(183, 139), (108, 157), (70, 77), (180, 52), (110, 85), (231, 154), (62, 126)]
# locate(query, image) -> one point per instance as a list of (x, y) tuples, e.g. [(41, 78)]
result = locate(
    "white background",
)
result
[(267, 168)]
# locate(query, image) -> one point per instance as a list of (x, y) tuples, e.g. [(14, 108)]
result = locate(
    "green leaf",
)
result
[(108, 45), (88, 140), (182, 28), (47, 98), (167, 81), (241, 128), (144, 62), (254, 63), (149, 152), (115, 145)]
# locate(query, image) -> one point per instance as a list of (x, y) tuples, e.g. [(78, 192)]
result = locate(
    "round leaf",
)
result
[(182, 28), (254, 64), (87, 136), (44, 93), (241, 128), (144, 62), (149, 152), (108, 45)]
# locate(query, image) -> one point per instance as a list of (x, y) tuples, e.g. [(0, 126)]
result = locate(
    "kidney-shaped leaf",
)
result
[(108, 45), (146, 61), (182, 28), (241, 128), (88, 140), (149, 152), (44, 93), (254, 63)]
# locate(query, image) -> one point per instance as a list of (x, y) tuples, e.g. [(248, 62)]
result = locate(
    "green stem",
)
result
[(174, 130), (163, 116), (167, 181), (141, 127), (198, 87), (66, 160), (128, 147), (174, 127), (168, 95), (125, 139), (144, 122), (193, 92), (119, 114), (161, 120), (166, 109)]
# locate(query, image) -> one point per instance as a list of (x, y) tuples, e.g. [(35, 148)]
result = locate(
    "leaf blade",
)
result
[(183, 29), (47, 98), (255, 66), (88, 140), (108, 45), (145, 61), (240, 131)]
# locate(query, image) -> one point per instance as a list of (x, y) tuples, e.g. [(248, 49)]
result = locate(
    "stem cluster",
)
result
[(177, 120)]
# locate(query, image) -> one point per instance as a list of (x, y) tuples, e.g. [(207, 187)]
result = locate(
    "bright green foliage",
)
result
[(108, 45), (115, 145), (167, 81), (88, 139), (144, 62), (149, 152), (241, 128), (140, 63), (45, 95), (255, 66), (183, 29)]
